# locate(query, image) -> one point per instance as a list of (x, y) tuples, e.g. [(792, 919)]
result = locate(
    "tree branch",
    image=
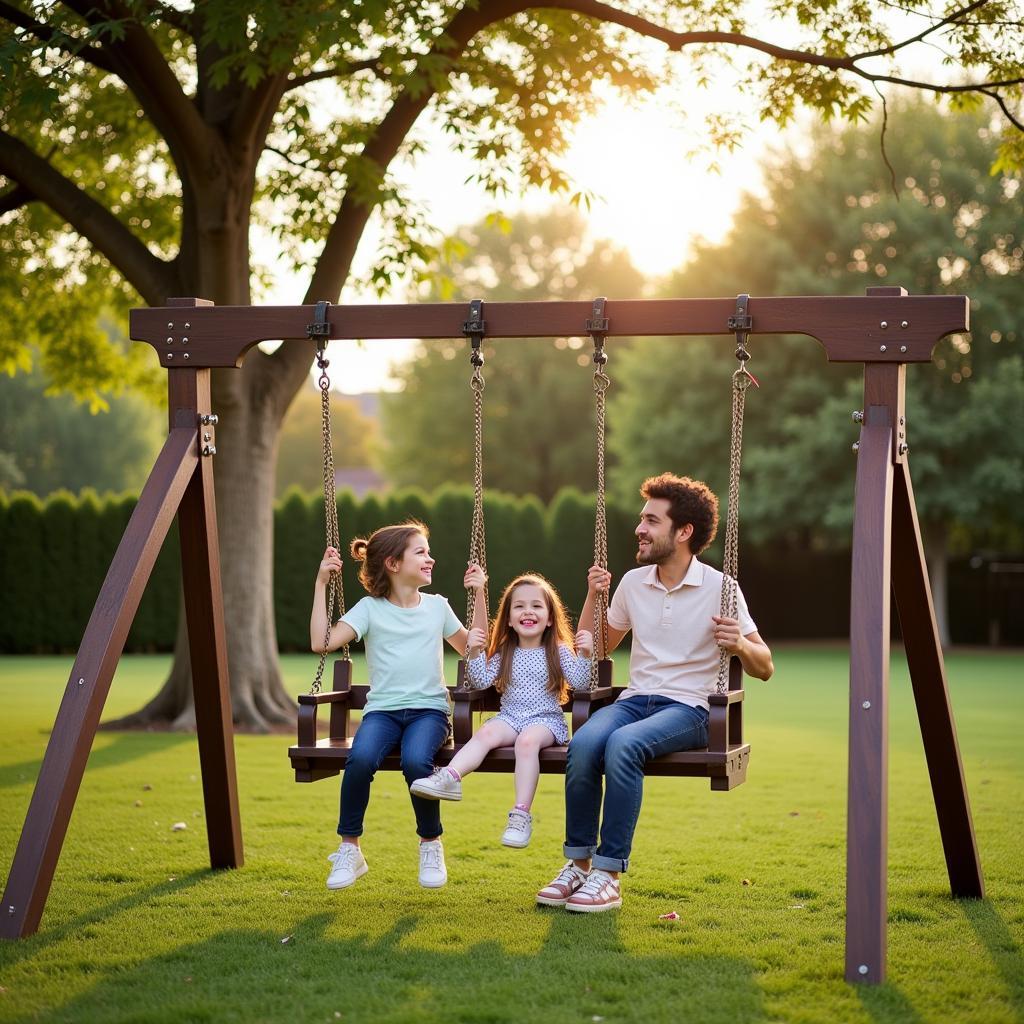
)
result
[(678, 40), (15, 199), (138, 62), (1005, 109), (339, 70), (934, 27), (93, 55), (149, 275)]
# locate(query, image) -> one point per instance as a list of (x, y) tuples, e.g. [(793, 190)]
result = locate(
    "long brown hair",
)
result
[(505, 640), (387, 542)]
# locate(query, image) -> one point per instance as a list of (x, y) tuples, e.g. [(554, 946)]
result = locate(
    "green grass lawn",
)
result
[(138, 929)]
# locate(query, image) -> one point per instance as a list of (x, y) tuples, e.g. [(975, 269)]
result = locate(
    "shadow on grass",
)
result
[(1006, 954), (15, 951), (124, 748), (887, 1004), (582, 972)]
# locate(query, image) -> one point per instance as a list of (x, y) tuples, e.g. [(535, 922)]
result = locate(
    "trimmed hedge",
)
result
[(54, 555)]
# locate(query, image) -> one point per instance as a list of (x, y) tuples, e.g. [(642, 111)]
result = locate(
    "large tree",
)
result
[(142, 141), (831, 222), (539, 393)]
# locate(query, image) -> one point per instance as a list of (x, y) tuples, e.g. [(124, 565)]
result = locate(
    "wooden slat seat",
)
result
[(724, 761)]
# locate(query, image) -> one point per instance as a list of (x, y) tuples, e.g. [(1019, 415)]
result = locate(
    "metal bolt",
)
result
[(881, 348), (170, 341), (866, 705), (855, 446), (209, 449), (884, 324), (903, 348), (905, 324), (187, 326), (10, 909), (863, 969), (857, 415), (185, 356), (170, 326), (170, 355), (904, 448), (81, 682), (209, 418), (184, 341), (207, 436)]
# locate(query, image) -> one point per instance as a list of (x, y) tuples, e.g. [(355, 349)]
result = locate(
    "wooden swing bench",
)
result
[(723, 761)]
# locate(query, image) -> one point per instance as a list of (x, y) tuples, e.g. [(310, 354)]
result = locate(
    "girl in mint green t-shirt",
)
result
[(407, 705)]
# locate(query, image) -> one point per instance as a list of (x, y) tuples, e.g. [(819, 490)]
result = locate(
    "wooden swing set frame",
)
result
[(885, 330)]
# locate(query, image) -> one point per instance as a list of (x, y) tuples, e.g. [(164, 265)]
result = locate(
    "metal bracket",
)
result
[(597, 328), (741, 321), (320, 328), (598, 322), (474, 329)]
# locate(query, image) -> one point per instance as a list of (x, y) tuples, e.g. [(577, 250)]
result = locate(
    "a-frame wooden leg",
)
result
[(60, 777), (189, 399), (867, 794), (931, 694)]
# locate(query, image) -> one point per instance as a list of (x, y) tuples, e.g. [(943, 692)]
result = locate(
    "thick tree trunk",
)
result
[(250, 403)]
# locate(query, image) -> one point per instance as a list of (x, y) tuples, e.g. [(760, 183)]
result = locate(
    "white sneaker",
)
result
[(433, 873), (442, 785), (349, 865), (520, 826)]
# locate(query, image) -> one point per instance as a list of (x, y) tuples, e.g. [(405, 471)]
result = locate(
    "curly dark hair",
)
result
[(690, 501)]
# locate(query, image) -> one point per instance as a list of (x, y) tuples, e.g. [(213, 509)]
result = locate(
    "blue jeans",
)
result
[(617, 741), (419, 732)]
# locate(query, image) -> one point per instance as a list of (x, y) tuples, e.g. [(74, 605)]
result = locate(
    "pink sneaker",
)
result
[(568, 881), (599, 892)]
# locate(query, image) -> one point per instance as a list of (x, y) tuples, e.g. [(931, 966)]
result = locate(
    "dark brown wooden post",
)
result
[(67, 751), (188, 392), (931, 694), (867, 786)]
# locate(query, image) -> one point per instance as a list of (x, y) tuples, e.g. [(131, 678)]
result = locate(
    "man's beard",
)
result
[(658, 551)]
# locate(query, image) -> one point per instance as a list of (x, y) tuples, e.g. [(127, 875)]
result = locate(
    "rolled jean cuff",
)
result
[(609, 863), (578, 852)]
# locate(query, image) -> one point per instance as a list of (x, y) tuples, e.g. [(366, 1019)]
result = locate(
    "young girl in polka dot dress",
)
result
[(531, 662)]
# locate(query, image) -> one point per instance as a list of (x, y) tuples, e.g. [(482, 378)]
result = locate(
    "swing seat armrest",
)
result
[(339, 723), (327, 697), (467, 696), (723, 699), (725, 724), (585, 702), (466, 702)]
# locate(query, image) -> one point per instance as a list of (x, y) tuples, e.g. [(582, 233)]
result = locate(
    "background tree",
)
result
[(51, 442), (538, 396), (141, 142), (831, 222), (299, 458)]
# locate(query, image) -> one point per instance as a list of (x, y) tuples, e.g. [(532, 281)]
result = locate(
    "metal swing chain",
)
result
[(335, 584), (474, 329), (598, 327), (741, 380)]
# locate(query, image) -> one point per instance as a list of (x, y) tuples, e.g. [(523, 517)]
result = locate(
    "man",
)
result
[(672, 604)]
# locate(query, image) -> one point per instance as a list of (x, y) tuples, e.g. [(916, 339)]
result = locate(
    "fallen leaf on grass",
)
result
[(747, 881), (146, 787), (670, 916), (179, 826), (288, 939)]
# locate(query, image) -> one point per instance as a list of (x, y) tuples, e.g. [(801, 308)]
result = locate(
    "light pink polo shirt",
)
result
[(674, 652)]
